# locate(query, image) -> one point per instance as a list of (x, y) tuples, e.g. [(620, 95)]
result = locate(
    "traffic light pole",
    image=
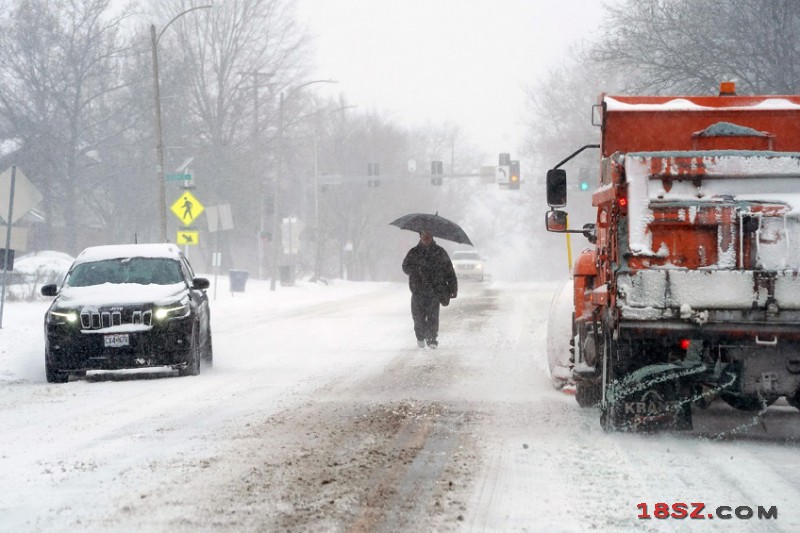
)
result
[(276, 233)]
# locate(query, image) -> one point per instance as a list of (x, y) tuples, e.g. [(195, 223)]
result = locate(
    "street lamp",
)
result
[(276, 244), (317, 233), (162, 195)]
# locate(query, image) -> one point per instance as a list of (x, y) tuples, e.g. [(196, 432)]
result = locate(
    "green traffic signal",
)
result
[(584, 186)]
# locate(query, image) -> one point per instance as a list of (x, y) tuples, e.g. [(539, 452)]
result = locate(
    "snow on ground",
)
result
[(320, 414)]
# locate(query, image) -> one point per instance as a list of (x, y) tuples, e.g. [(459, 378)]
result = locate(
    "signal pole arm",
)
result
[(581, 149)]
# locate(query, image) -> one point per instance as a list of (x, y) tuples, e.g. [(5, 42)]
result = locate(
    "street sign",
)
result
[(329, 179), (501, 174), (19, 237), (26, 196), (10, 264), (187, 208), (488, 174), (290, 235), (178, 177), (191, 238), (219, 217)]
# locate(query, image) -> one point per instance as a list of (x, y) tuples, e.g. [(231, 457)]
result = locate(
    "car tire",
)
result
[(208, 352), (54, 375), (192, 367)]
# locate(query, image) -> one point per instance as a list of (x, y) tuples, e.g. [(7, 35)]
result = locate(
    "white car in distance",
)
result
[(469, 265)]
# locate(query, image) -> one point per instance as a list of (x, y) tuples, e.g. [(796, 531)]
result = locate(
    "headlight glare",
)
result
[(62, 317), (173, 311)]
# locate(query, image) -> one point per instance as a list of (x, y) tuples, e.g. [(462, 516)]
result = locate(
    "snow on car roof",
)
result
[(117, 251)]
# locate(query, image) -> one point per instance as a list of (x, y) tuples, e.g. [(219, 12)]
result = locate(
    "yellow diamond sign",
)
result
[(188, 237), (187, 208)]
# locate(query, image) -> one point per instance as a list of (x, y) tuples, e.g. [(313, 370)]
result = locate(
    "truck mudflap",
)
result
[(659, 397)]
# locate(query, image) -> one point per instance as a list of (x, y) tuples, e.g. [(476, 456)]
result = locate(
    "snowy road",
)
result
[(320, 414)]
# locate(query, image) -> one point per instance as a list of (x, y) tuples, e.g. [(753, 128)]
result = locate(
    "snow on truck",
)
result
[(691, 288)]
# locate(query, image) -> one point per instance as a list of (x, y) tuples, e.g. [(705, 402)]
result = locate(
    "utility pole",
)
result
[(276, 219), (162, 195), (262, 226)]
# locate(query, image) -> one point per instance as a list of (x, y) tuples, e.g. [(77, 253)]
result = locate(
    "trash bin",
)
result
[(287, 275), (238, 279)]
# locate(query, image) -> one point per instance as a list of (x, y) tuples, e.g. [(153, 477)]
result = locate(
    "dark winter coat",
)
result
[(430, 271)]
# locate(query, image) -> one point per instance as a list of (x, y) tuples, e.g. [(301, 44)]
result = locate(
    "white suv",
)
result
[(469, 265)]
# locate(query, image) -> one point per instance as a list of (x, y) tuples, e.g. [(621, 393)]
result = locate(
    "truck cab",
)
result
[(695, 291)]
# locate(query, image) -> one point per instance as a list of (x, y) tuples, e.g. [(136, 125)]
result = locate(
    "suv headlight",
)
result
[(178, 310), (62, 317)]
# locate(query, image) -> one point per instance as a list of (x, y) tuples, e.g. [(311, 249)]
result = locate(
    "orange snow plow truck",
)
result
[(691, 288)]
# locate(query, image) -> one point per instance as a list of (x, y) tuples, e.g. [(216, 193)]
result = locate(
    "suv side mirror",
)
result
[(557, 187), (200, 284), (51, 289), (556, 221)]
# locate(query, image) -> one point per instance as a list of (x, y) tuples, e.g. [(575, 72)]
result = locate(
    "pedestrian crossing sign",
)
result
[(191, 238), (187, 208)]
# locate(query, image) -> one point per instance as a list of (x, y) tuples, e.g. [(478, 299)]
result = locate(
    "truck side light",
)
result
[(684, 344), (623, 202)]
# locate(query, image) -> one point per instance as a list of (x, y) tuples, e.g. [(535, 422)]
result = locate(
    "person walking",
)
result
[(432, 281)]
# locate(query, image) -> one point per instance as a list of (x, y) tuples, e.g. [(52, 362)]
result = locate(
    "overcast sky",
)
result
[(464, 61)]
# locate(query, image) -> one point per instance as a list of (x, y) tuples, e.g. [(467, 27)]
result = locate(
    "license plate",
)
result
[(116, 340)]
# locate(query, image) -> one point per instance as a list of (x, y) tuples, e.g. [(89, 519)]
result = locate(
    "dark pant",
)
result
[(425, 312)]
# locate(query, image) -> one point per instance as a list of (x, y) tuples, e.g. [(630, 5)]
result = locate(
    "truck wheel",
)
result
[(683, 418), (611, 418), (588, 393), (746, 403)]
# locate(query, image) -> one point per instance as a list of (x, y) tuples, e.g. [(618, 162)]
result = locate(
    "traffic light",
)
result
[(436, 172), (373, 171), (513, 175), (583, 181)]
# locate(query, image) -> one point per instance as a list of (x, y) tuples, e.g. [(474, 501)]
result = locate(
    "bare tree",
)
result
[(59, 74), (226, 67), (669, 46)]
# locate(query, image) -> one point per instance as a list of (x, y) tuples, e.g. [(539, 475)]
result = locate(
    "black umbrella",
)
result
[(433, 224)]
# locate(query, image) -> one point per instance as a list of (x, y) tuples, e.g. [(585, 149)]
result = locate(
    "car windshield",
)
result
[(470, 256), (141, 270)]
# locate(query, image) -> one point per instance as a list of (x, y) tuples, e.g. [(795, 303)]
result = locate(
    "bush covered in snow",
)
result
[(33, 270)]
